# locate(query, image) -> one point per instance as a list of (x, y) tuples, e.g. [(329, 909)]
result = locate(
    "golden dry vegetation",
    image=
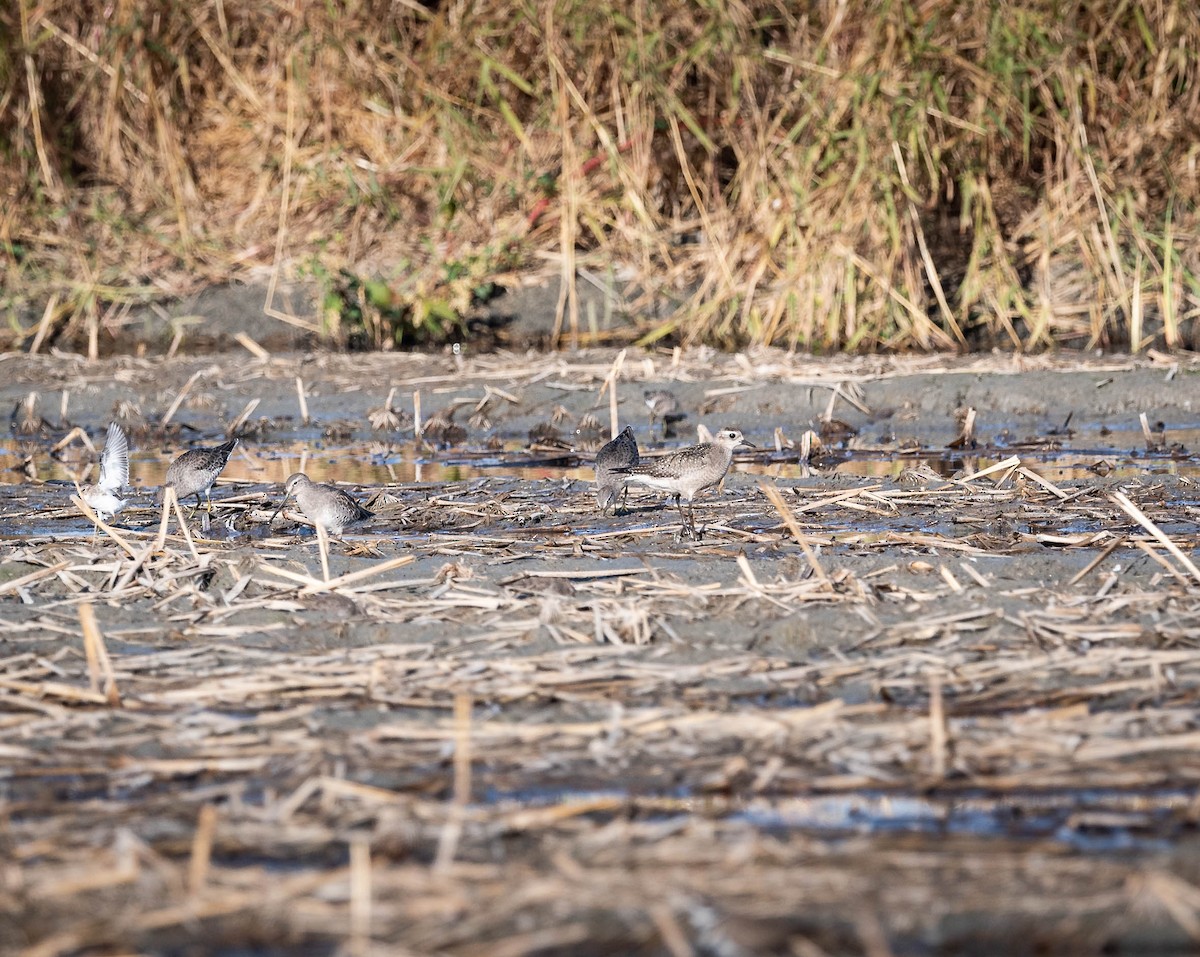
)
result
[(845, 175)]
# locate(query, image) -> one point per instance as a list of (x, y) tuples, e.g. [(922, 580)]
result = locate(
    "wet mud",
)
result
[(939, 693)]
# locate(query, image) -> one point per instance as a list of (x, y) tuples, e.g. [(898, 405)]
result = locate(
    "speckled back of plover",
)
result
[(688, 471), (326, 505), (620, 453)]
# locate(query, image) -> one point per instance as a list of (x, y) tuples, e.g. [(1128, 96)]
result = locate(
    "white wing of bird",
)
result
[(114, 462)]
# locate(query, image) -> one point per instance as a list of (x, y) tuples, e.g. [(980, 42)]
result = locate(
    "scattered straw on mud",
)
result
[(878, 716)]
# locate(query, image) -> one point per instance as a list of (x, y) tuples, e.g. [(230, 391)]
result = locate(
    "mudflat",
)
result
[(924, 681)]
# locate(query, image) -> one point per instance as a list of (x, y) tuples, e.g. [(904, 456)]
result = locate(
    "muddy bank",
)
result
[(915, 705)]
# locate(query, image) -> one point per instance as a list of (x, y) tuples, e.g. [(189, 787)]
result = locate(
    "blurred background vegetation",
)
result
[(842, 174)]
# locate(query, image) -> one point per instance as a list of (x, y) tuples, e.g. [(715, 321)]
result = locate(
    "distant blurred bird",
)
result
[(196, 471), (26, 419), (104, 497), (620, 453), (663, 406)]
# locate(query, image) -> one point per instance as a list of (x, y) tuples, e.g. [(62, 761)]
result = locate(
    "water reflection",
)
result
[(1118, 454)]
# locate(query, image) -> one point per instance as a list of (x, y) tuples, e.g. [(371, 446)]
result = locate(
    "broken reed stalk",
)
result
[(1159, 535), (75, 433), (1091, 566), (966, 436), (610, 383), (360, 896), (155, 547), (463, 705), (1012, 462), (323, 548), (44, 326), (236, 426), (302, 400), (938, 730), (285, 200), (16, 584), (108, 530), (100, 670), (243, 340), (202, 845), (1147, 435), (451, 831), (168, 503), (775, 497), (1044, 483), (179, 517), (174, 407), (351, 578)]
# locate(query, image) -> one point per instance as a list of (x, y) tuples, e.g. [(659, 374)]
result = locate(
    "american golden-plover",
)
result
[(685, 472)]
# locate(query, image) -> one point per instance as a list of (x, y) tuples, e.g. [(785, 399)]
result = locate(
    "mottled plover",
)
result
[(326, 505), (194, 472), (620, 453), (688, 471)]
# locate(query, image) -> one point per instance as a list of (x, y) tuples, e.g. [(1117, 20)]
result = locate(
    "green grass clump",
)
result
[(835, 176)]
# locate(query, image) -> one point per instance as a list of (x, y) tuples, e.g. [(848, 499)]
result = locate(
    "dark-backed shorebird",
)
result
[(687, 471), (620, 453), (194, 472), (326, 505), (104, 497)]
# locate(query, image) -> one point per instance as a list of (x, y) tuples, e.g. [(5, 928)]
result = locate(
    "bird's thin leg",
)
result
[(687, 518)]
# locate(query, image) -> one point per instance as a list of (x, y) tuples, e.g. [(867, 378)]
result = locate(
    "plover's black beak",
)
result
[(275, 514), (747, 445)]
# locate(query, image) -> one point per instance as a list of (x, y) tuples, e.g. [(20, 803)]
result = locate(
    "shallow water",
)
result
[(368, 461), (1089, 820)]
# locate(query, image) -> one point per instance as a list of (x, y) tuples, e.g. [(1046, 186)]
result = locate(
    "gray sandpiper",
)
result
[(620, 453), (688, 471), (326, 505), (105, 496), (195, 471), (663, 406)]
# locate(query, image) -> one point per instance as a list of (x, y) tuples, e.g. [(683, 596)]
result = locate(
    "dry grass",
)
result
[(862, 176)]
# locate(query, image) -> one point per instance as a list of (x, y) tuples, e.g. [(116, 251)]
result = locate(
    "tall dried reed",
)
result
[(836, 175)]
